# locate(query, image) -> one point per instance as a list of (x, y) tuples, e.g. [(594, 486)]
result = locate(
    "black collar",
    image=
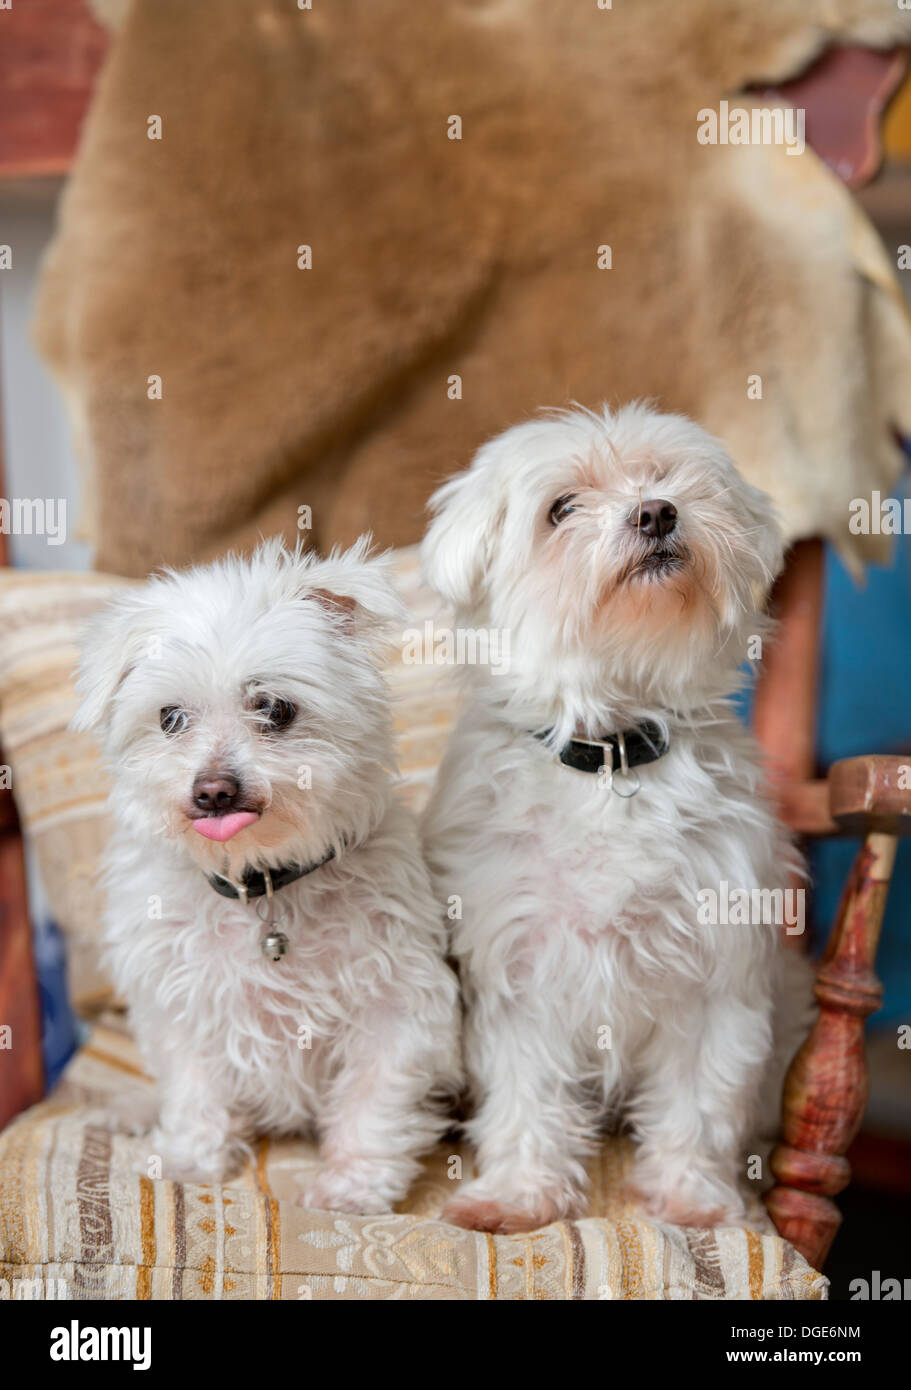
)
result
[(255, 884), (644, 744)]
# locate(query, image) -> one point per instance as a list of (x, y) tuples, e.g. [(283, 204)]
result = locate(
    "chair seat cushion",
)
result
[(80, 1219)]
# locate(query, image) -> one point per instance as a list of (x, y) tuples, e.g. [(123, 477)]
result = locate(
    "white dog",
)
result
[(594, 797), (270, 920)]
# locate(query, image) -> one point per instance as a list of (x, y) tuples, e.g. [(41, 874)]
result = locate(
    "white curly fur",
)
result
[(579, 908), (221, 1027)]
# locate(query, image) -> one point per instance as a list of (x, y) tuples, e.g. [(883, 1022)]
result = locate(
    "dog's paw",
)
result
[(181, 1163), (671, 1212), (340, 1190), (201, 1174), (481, 1211), (684, 1207), (133, 1114)]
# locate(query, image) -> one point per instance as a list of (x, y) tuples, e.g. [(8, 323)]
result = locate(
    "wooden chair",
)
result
[(827, 1085), (50, 58), (826, 1089), (21, 1070)]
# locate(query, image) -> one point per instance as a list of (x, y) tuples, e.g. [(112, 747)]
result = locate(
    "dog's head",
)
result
[(242, 705), (622, 552)]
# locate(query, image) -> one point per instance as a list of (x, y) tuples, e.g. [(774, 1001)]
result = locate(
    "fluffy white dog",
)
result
[(270, 920), (596, 795)]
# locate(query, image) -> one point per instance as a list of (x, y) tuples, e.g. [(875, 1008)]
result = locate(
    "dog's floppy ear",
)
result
[(355, 590), (766, 537), (467, 515), (112, 643)]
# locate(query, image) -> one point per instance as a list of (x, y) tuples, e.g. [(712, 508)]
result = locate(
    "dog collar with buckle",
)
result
[(617, 753), (255, 884)]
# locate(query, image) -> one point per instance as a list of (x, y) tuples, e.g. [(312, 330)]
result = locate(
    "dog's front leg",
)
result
[(696, 1100), (531, 1129), (374, 1123), (199, 1137)]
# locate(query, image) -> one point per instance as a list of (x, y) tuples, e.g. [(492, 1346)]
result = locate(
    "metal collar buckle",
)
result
[(631, 780)]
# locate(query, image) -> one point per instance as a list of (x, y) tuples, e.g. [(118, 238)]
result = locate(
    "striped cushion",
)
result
[(58, 779), (79, 1216)]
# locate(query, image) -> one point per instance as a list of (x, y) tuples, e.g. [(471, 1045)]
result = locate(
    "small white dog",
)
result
[(593, 797), (270, 920)]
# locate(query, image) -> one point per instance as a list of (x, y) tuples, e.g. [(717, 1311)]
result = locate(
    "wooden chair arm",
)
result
[(21, 1065), (21, 1069), (804, 807), (872, 793), (859, 794), (827, 1085)]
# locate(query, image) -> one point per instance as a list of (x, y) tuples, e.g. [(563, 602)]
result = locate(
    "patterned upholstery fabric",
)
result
[(80, 1214), (57, 778), (83, 1215)]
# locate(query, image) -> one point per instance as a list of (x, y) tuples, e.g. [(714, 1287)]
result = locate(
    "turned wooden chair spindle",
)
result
[(827, 1085)]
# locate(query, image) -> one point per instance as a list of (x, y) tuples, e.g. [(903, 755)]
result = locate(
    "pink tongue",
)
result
[(223, 828)]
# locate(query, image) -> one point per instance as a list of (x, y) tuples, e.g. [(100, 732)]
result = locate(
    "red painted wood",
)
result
[(21, 1074), (827, 1084), (784, 712), (50, 53), (21, 1069)]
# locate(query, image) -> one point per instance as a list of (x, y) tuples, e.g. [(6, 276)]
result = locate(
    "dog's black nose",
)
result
[(657, 517), (215, 791)]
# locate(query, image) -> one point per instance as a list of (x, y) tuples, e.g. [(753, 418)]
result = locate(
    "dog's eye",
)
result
[(173, 719), (562, 508), (275, 714)]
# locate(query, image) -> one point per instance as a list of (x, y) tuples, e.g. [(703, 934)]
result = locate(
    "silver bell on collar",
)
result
[(275, 945)]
